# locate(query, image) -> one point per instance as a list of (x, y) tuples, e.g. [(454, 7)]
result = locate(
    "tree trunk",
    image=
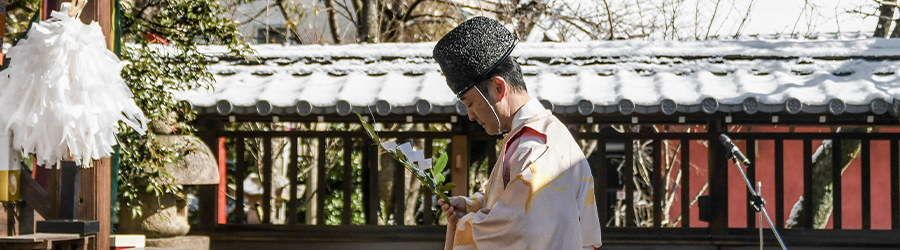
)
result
[(822, 192), (370, 22), (884, 21), (527, 16), (412, 196), (360, 15), (332, 23), (896, 32), (386, 188)]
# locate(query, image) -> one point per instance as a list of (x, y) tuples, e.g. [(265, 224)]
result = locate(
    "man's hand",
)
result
[(457, 205), (453, 211)]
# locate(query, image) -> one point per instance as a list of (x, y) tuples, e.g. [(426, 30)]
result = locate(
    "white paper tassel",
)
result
[(63, 94), (389, 145), (406, 149), (417, 156), (425, 165)]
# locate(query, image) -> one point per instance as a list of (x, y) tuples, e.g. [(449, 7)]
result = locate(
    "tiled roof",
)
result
[(609, 77)]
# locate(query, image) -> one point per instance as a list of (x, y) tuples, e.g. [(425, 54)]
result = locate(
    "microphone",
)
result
[(735, 152)]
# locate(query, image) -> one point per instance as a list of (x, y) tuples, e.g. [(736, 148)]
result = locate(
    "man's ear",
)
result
[(501, 86)]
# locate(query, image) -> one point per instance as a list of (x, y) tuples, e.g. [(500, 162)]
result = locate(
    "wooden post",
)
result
[(223, 173), (48, 178), (25, 218), (10, 219), (48, 6), (372, 197), (95, 182), (99, 11), (459, 160), (718, 179), (208, 194), (2, 24), (95, 199), (51, 176)]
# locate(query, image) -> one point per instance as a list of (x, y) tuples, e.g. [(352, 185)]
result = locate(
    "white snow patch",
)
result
[(644, 72)]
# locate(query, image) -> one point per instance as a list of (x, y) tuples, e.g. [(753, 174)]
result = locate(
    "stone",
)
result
[(161, 217), (161, 127), (164, 126), (197, 166), (192, 242)]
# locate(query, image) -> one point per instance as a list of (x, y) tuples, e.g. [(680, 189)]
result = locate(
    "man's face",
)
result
[(479, 110)]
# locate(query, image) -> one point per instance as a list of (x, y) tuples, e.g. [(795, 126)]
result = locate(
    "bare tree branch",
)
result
[(744, 20), (289, 28), (609, 17), (802, 10), (410, 10), (712, 19), (455, 4)]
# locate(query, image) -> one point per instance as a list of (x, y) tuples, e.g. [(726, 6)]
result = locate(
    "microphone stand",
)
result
[(757, 202)]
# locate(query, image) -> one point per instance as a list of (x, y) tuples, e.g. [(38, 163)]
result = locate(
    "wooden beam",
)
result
[(9, 218), (427, 213), (717, 164), (321, 182), (779, 184), (598, 159), (240, 169), (95, 199), (895, 185), (866, 183), (372, 196), (223, 189), (292, 176), (208, 132), (95, 182), (35, 196), (53, 184), (685, 183), (25, 218), (658, 186), (347, 181), (837, 198), (629, 182), (459, 161), (266, 177), (99, 11), (807, 186), (399, 191), (750, 148), (3, 4)]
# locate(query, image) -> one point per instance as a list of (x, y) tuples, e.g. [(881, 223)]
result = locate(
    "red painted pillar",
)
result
[(222, 183), (2, 31)]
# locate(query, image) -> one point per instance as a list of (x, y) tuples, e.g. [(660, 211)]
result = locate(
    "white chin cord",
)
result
[(492, 109)]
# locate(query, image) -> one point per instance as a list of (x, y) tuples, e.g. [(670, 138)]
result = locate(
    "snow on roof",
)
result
[(760, 74)]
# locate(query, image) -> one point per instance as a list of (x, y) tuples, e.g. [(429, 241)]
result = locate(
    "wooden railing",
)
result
[(347, 144), (717, 230), (718, 166)]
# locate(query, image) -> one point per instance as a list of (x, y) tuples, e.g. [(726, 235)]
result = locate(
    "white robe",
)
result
[(547, 204)]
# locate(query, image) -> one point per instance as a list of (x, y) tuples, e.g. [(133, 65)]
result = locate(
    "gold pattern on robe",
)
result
[(590, 196), (464, 237), (476, 205), (538, 183)]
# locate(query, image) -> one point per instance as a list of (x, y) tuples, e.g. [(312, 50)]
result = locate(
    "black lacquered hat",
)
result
[(471, 50)]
